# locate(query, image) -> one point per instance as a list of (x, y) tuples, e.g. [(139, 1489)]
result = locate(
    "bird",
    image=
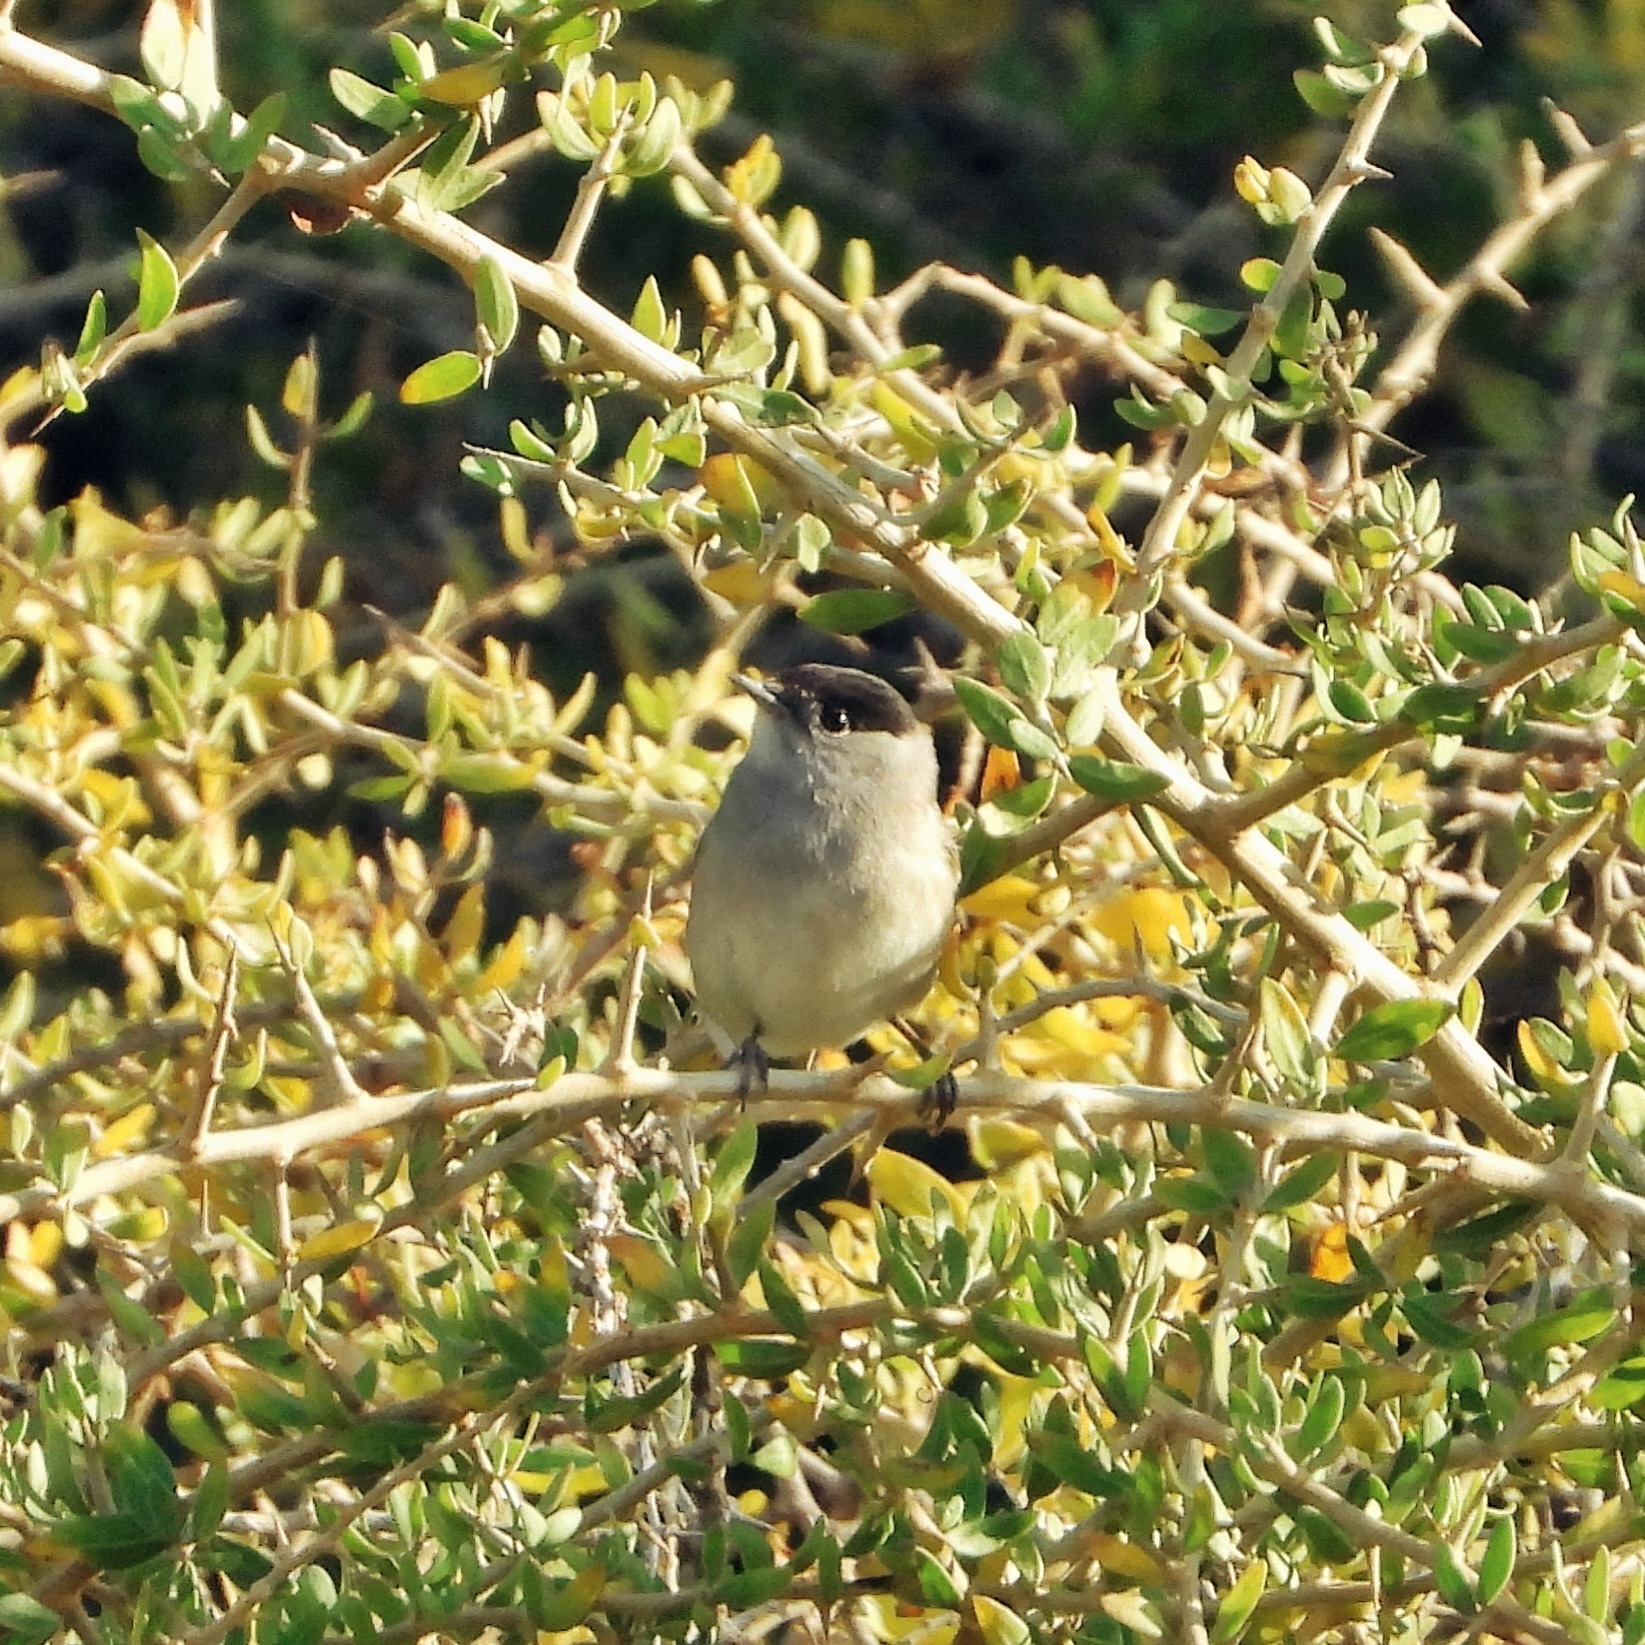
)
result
[(824, 885)]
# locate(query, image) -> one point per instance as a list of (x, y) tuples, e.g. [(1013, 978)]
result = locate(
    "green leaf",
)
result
[(210, 1503), (746, 1590), (855, 610), (1476, 1239), (245, 145), (93, 329), (991, 713), (495, 303), (733, 1163), (1496, 1565), (1024, 666), (936, 1586), (1454, 1587), (1234, 1613), (1327, 1542), (112, 1542), (157, 283), (780, 1298), (608, 1416), (1260, 273), (762, 1357), (655, 146), (1429, 1317), (1321, 94), (368, 102), (1324, 1416), (1139, 413), (1116, 781), (1363, 915), (1394, 1030), (26, 1621), (354, 418), (769, 407), (1285, 1033), (165, 156), (442, 378), (749, 1239), (1230, 1160), (486, 773), (1300, 1186), (1291, 331), (565, 1604), (1452, 709), (1208, 322), (1075, 1464), (1351, 703), (129, 1315), (1581, 1320), (982, 857), (650, 316), (1059, 432), (1306, 1297)]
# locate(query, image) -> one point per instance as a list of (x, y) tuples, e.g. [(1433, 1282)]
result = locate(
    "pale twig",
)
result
[(823, 1097), (848, 322), (620, 1058), (343, 1517), (139, 1039), (1351, 168), (197, 1122), (597, 804), (940, 585), (1595, 1092), (808, 1162), (336, 1082), (85, 834), (1500, 918), (591, 190), (1103, 988), (477, 1166), (189, 261), (184, 323), (1113, 347), (1541, 202)]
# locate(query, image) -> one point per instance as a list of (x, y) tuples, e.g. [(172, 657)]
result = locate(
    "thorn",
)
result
[(337, 147), (1570, 133), (1462, 31), (1421, 286), (1366, 171), (1532, 172), (1499, 286)]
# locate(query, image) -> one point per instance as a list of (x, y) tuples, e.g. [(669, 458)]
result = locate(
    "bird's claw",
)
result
[(753, 1069), (939, 1100)]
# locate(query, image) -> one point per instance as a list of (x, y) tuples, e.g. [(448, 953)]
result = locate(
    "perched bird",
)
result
[(824, 885)]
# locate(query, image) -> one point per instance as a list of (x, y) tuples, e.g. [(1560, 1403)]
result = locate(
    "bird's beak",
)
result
[(758, 690)]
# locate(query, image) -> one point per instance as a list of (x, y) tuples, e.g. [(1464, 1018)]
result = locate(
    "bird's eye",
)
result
[(834, 719)]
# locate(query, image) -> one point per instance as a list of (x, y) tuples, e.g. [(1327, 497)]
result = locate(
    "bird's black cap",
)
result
[(835, 700)]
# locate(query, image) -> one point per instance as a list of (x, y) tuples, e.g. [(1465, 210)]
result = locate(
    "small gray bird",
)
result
[(824, 885)]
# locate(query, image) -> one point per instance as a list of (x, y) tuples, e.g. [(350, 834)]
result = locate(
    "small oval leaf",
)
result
[(442, 378), (157, 283), (1394, 1030)]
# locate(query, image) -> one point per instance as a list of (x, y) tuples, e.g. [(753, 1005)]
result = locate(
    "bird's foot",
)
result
[(753, 1069), (941, 1097), (939, 1100)]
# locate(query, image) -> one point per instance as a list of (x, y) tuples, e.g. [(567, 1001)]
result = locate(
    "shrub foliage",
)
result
[(368, 1273)]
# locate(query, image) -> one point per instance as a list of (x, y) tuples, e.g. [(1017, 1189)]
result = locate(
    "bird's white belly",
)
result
[(844, 963)]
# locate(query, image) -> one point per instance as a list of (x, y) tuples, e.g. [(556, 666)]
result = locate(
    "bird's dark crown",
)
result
[(834, 701)]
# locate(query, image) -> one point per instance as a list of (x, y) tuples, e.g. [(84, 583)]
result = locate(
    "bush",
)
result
[(370, 1272)]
